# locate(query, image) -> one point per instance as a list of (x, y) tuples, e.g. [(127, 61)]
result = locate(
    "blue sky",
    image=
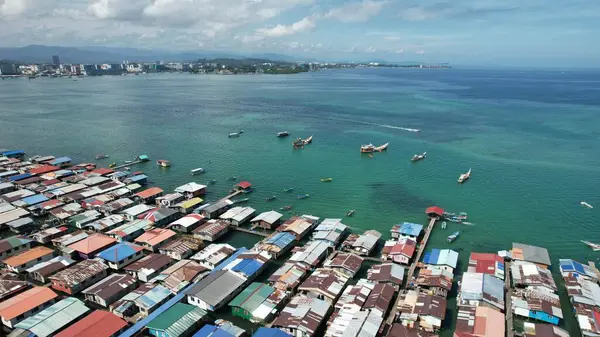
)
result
[(526, 32)]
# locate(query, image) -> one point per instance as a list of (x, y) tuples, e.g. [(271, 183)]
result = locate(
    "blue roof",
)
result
[(281, 240), (212, 331), (12, 153), (441, 257), (19, 177), (63, 173), (137, 178), (411, 229), (119, 174), (34, 199), (572, 266), (248, 267), (231, 258), (270, 332), (119, 252), (60, 160)]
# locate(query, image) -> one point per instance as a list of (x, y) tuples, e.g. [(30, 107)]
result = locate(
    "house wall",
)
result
[(240, 312), (125, 262), (11, 323), (400, 259), (21, 268)]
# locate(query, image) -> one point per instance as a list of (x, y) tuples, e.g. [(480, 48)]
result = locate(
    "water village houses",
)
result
[(25, 304), (400, 251), (477, 287), (116, 206), (267, 220), (187, 206), (298, 226), (277, 244), (41, 271), (132, 213), (426, 310), (105, 224), (487, 263), (110, 289), (188, 223), (79, 276), (444, 258), (160, 216), (126, 306), (406, 230), (92, 245), (311, 254), (181, 274), (169, 200), (149, 266), (289, 276), (52, 319), (68, 239), (436, 280), (130, 230), (534, 254), (527, 274), (155, 237), (10, 285), (179, 320), (237, 216), (211, 230), (99, 323), (81, 220), (324, 284), (213, 211), (248, 264), (14, 245), (362, 244), (345, 264), (191, 190), (152, 299), (582, 288), (481, 321), (181, 248), (120, 255), (330, 231), (149, 195), (215, 290), (28, 258), (46, 235), (258, 303), (213, 255), (303, 316)]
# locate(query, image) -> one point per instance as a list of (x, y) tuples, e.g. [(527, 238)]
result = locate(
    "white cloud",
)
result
[(371, 49), (13, 7), (305, 24), (357, 11)]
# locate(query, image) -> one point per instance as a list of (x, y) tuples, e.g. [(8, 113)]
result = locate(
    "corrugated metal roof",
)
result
[(155, 236), (97, 324), (281, 240), (26, 301), (268, 217), (55, 317), (12, 242), (22, 222), (120, 252), (79, 272), (190, 188), (441, 257), (27, 256), (131, 228), (177, 319), (153, 297), (210, 330), (252, 297), (270, 332), (92, 243), (248, 267), (214, 288)]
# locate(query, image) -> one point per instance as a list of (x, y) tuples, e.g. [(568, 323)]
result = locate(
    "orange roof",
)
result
[(97, 324), (489, 322), (150, 192), (43, 169), (92, 243), (28, 255), (155, 236), (25, 301)]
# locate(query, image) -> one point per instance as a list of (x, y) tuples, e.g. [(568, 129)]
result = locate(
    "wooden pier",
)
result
[(249, 231), (508, 300), (232, 195), (411, 270), (135, 162)]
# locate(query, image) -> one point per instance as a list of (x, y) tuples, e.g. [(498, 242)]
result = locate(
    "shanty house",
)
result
[(187, 224), (298, 226), (152, 299), (110, 289), (99, 323), (277, 244), (187, 206), (248, 264), (181, 248), (389, 273), (179, 320), (399, 251), (435, 279), (528, 274), (41, 271), (303, 316), (362, 244), (110, 222), (213, 255), (311, 254), (25, 304), (428, 310), (191, 190), (345, 264), (11, 284), (133, 212), (406, 230), (46, 235), (169, 200), (89, 247), (258, 303), (14, 245), (28, 258), (289, 276), (81, 220), (149, 266), (267, 220), (211, 230), (181, 274), (130, 230), (534, 254), (213, 211), (160, 216), (323, 284), (237, 216), (215, 290), (330, 231), (79, 276), (149, 195), (445, 258), (153, 238), (55, 317), (487, 263), (478, 288), (120, 255)]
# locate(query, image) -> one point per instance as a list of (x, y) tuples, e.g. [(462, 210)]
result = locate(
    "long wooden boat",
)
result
[(326, 180), (595, 247), (463, 177), (382, 147), (302, 196), (197, 171), (452, 236)]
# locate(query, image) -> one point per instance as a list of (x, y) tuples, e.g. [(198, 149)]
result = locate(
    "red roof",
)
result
[(435, 210), (406, 247), (50, 182), (150, 192), (43, 169), (103, 171), (244, 184), (99, 323), (485, 262)]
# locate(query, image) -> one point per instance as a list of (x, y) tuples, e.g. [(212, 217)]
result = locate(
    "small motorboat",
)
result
[(326, 180), (583, 203), (418, 157), (463, 177), (271, 198), (239, 201), (368, 148), (163, 163), (282, 134), (248, 190), (287, 190), (302, 196), (286, 208), (212, 182), (197, 171), (232, 178), (112, 165), (452, 236), (350, 212), (127, 168), (444, 225), (101, 156), (299, 142), (234, 135), (595, 247)]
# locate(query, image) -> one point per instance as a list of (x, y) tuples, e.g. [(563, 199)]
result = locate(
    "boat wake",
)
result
[(388, 126)]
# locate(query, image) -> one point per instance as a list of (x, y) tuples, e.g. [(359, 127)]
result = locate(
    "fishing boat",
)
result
[(326, 180), (594, 246), (232, 178), (239, 201), (299, 142), (444, 225), (212, 182), (418, 157), (287, 190), (282, 134), (382, 147), (308, 140), (112, 165), (163, 163), (302, 196), (452, 236), (101, 156), (248, 190), (234, 135), (271, 198), (351, 212), (197, 171), (368, 148), (463, 177), (286, 208), (586, 204)]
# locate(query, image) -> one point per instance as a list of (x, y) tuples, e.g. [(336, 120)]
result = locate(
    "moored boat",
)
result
[(326, 180), (302, 196), (286, 208), (418, 157), (594, 246), (444, 225), (239, 201), (232, 178), (234, 135), (112, 165), (368, 148), (247, 190), (308, 140), (463, 177), (299, 142), (586, 204), (197, 171), (283, 134), (127, 161), (350, 212), (452, 236), (382, 147), (287, 190), (271, 198), (163, 163), (101, 156)]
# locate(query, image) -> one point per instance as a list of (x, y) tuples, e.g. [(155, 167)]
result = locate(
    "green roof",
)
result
[(252, 297), (177, 319), (54, 318)]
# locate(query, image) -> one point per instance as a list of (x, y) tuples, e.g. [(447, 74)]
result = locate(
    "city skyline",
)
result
[(459, 32)]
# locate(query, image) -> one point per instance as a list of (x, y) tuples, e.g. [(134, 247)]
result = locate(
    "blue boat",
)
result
[(453, 236), (302, 196), (248, 190)]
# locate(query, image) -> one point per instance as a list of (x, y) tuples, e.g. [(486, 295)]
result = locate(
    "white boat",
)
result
[(197, 171), (586, 204), (595, 247), (418, 157), (444, 225), (234, 135), (463, 177)]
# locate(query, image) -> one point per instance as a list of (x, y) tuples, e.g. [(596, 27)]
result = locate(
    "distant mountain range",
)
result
[(43, 54)]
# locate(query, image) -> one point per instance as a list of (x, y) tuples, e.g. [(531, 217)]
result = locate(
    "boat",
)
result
[(239, 201), (287, 190), (350, 212), (271, 198), (302, 196), (418, 157), (112, 165), (382, 147), (299, 142), (594, 246), (308, 140), (452, 236), (197, 171), (248, 190), (444, 225), (163, 163), (234, 135), (212, 182), (127, 168), (586, 204), (326, 180), (232, 178), (101, 156), (368, 148), (282, 134), (463, 177), (286, 208)]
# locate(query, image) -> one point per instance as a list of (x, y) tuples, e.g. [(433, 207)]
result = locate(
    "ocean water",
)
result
[(532, 139)]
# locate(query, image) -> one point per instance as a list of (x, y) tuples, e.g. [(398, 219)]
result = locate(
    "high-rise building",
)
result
[(55, 60)]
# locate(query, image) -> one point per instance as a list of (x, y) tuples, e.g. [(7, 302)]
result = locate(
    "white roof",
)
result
[(238, 213), (268, 217), (186, 221), (471, 287), (189, 188), (212, 253), (12, 215), (137, 209)]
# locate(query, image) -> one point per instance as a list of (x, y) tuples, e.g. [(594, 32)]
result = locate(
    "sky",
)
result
[(511, 32)]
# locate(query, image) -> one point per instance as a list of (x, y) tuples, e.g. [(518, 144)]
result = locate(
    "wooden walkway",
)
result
[(249, 231), (411, 270), (135, 162), (508, 300), (232, 195)]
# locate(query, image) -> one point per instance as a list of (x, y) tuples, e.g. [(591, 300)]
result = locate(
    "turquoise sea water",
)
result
[(530, 137)]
